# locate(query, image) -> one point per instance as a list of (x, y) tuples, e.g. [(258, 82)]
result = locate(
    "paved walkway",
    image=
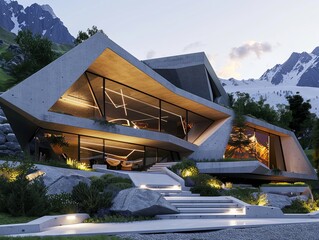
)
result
[(163, 226)]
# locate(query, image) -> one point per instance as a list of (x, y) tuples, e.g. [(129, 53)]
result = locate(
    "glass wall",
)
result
[(78, 101), (247, 143), (52, 145), (95, 97)]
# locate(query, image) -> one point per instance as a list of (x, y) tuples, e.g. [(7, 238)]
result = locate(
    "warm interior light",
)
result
[(77, 101), (143, 186)]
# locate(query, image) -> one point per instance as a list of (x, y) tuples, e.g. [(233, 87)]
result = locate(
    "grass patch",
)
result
[(4, 77), (8, 219), (118, 219), (97, 237)]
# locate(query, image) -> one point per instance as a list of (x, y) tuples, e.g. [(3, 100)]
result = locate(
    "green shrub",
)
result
[(90, 199), (117, 218), (189, 171), (62, 203), (297, 206), (27, 198), (183, 165), (243, 194), (18, 195), (109, 178), (98, 183), (115, 188), (205, 190), (205, 179)]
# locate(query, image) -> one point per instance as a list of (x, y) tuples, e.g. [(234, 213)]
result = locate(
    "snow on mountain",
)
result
[(38, 19), (299, 74), (47, 8)]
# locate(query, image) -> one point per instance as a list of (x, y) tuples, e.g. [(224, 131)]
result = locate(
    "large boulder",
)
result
[(276, 200), (65, 184), (141, 202)]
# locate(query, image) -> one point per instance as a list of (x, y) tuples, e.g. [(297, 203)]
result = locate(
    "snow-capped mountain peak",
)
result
[(38, 19), (299, 74), (47, 8)]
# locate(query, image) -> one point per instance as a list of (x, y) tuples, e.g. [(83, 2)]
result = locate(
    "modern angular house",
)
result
[(99, 104)]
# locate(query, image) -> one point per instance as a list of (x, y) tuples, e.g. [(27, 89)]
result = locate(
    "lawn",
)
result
[(7, 219)]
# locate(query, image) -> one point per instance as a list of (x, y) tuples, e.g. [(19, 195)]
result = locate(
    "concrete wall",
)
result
[(213, 142)]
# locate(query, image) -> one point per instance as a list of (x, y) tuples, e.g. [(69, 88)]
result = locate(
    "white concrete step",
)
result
[(210, 210), (200, 216), (198, 199), (205, 205)]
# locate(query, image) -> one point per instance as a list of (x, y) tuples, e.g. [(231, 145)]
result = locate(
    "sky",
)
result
[(241, 38)]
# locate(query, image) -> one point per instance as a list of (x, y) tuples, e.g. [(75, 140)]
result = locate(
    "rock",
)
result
[(13, 146), (3, 119), (303, 198), (65, 184), (141, 202), (276, 200), (11, 137), (3, 138), (189, 182), (5, 128)]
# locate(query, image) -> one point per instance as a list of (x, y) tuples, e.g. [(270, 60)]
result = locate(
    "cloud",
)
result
[(237, 54), (150, 54), (230, 70), (192, 46), (246, 49)]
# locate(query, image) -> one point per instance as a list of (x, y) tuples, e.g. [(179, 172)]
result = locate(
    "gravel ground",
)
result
[(306, 231)]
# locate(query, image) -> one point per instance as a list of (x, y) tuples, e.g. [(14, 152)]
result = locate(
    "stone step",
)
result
[(210, 210), (200, 216), (205, 205), (176, 194), (198, 199)]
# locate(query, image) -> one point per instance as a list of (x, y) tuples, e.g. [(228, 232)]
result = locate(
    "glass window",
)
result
[(173, 120), (131, 108), (78, 101), (196, 125), (91, 150)]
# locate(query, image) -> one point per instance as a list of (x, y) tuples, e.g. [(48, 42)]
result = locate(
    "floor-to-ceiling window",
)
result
[(249, 143), (96, 97), (53, 145)]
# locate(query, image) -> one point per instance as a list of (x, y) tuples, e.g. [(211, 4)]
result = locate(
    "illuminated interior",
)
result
[(249, 143), (89, 150), (96, 97)]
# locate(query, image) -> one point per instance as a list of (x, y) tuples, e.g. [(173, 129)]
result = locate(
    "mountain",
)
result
[(38, 19), (299, 74)]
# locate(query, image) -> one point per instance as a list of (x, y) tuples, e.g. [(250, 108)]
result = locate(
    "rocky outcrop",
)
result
[(65, 184), (141, 202), (9, 145), (38, 19)]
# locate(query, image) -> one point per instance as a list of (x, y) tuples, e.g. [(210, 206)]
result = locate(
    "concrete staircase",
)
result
[(194, 206), (157, 167)]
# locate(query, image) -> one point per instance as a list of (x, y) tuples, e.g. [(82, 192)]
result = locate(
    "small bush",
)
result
[(183, 165), (205, 190), (189, 171), (27, 198), (205, 179), (90, 199), (62, 203), (117, 218), (115, 188), (297, 206), (244, 194), (109, 178)]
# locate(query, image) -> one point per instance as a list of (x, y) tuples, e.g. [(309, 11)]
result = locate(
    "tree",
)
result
[(37, 52), (302, 119), (82, 36), (315, 143)]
